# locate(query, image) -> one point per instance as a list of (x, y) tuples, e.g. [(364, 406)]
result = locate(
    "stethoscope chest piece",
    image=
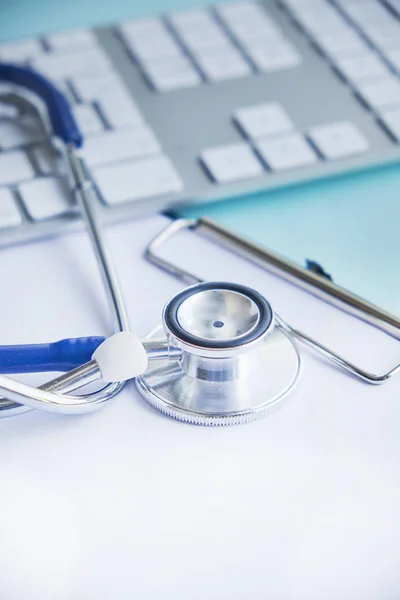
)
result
[(229, 362)]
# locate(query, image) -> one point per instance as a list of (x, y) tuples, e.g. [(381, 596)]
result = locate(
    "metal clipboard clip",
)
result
[(314, 283)]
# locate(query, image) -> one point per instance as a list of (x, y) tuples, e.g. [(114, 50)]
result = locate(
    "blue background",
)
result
[(350, 224)]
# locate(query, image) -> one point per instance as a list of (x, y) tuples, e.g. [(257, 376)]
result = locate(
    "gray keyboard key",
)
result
[(231, 163), (338, 140), (135, 180), (289, 151), (20, 132)]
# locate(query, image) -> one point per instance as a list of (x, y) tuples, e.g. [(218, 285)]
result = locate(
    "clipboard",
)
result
[(339, 238)]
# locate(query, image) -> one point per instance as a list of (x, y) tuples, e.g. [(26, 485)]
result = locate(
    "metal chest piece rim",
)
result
[(235, 363)]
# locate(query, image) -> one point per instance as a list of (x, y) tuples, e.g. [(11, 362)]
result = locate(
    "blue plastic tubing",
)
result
[(60, 114), (39, 358)]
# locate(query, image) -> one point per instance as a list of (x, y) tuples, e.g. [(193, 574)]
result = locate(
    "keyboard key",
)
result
[(62, 65), (66, 40), (287, 152), (20, 51), (273, 55), (368, 13), (391, 121), (46, 198), (198, 30), (91, 88), (172, 74), (385, 38), (118, 108), (381, 94), (117, 145), (21, 132), (15, 167), (48, 160), (88, 120), (393, 57), (247, 20), (324, 19), (340, 44), (10, 215), (231, 163), (338, 140), (149, 40), (223, 64), (135, 180), (263, 120), (362, 68)]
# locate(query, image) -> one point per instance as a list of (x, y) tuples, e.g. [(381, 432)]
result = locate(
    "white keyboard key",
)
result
[(231, 163), (150, 42), (323, 20), (223, 64), (15, 167), (247, 20), (118, 108), (263, 120), (20, 51), (62, 65), (395, 6), (71, 40), (385, 38), (339, 140), (393, 56), (48, 160), (172, 74), (21, 132), (198, 30), (362, 68), (91, 88), (381, 94), (273, 55), (10, 215), (340, 44), (287, 152), (88, 120), (368, 13), (117, 145), (391, 121), (136, 180), (46, 197)]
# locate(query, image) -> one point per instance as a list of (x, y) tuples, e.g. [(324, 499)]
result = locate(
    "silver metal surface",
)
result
[(309, 281), (218, 315), (221, 391)]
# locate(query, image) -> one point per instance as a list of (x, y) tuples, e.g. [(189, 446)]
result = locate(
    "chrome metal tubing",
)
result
[(282, 267), (85, 193), (53, 396)]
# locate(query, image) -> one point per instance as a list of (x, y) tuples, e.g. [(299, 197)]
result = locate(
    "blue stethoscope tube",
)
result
[(63, 356), (60, 114)]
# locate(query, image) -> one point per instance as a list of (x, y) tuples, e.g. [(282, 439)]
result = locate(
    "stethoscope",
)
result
[(222, 356)]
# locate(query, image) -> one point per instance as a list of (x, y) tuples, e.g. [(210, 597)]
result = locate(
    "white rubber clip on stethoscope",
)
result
[(222, 357)]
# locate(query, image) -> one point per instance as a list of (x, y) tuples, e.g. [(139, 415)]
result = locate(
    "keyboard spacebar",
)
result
[(137, 179)]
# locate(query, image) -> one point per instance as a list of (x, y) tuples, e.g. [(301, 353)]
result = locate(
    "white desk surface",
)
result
[(126, 503)]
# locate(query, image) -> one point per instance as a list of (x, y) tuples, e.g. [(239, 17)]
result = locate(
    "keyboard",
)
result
[(205, 104)]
